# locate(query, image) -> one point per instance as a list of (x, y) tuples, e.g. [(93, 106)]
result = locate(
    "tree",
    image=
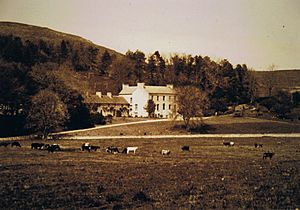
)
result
[(270, 80), (191, 103), (47, 112), (150, 108), (106, 61)]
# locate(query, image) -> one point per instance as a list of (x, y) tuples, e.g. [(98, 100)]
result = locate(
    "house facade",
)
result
[(164, 98), (108, 104)]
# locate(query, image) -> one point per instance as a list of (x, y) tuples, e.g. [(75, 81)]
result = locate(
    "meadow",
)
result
[(209, 176)]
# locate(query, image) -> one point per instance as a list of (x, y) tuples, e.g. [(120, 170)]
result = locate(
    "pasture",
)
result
[(209, 175)]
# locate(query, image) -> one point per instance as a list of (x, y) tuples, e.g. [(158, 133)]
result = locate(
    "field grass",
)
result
[(216, 125), (209, 176)]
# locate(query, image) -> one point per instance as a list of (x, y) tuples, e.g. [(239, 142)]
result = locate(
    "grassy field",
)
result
[(208, 176), (216, 125)]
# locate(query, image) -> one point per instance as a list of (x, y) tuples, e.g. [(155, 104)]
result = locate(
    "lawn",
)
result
[(216, 125), (209, 176)]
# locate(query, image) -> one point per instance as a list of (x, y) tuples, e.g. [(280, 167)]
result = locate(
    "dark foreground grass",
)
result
[(209, 176)]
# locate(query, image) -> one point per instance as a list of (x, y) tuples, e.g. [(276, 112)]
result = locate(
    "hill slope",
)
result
[(36, 33)]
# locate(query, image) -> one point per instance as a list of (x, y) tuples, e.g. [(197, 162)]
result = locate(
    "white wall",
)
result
[(140, 97)]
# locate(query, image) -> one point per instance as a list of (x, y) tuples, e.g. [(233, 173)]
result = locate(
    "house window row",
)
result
[(163, 98)]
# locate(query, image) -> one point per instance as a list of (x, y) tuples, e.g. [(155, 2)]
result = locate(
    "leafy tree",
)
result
[(191, 103), (150, 108), (138, 59), (64, 51), (79, 116), (47, 112), (296, 98), (106, 62)]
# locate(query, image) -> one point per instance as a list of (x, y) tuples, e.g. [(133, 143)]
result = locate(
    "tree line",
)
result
[(28, 80)]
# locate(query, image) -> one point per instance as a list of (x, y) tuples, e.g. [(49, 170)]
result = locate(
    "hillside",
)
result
[(283, 79), (76, 60), (36, 33)]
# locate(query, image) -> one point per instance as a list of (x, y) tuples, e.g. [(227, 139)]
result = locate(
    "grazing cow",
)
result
[(258, 145), (185, 148), (165, 152), (228, 143), (89, 147), (53, 147), (112, 149), (130, 149), (94, 148), (4, 144), (86, 147), (37, 145), (16, 144), (268, 155)]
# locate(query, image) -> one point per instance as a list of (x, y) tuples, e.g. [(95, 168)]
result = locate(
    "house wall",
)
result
[(165, 105), (139, 102)]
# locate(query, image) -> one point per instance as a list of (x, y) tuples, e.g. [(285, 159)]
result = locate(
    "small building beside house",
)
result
[(164, 98), (108, 104)]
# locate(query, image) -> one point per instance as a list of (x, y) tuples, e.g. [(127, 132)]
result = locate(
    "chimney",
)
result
[(109, 94), (170, 86), (140, 84), (99, 94)]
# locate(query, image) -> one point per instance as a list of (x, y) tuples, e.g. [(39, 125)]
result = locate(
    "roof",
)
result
[(159, 89), (128, 90), (94, 99)]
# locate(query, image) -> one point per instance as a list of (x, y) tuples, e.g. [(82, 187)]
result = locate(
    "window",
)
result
[(164, 106), (157, 98), (164, 97), (157, 107), (131, 100), (170, 97), (169, 106), (135, 107)]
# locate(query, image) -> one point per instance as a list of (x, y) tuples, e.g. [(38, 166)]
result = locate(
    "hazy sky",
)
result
[(256, 32)]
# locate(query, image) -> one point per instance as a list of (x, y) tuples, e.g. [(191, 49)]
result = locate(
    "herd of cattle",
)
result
[(112, 149)]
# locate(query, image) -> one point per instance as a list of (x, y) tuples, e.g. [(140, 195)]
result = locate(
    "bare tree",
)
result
[(269, 79), (191, 103)]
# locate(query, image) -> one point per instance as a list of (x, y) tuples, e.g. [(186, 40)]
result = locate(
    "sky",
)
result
[(258, 33)]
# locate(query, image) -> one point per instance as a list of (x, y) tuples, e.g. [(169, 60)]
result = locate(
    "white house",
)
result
[(164, 98)]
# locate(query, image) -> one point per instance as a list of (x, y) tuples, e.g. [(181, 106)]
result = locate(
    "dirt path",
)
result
[(248, 135)]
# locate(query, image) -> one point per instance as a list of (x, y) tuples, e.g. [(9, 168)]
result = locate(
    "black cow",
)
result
[(268, 155), (256, 145), (16, 144), (185, 148), (112, 149), (37, 145), (4, 144), (53, 147), (94, 148)]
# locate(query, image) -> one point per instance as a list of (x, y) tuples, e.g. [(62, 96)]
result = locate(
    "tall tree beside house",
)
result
[(150, 108), (47, 113), (191, 103), (139, 61)]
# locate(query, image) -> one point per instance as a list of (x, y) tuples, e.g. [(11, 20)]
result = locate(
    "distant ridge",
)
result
[(36, 33)]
